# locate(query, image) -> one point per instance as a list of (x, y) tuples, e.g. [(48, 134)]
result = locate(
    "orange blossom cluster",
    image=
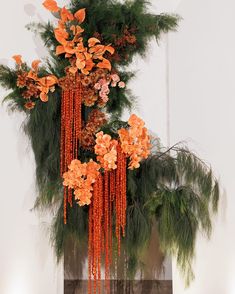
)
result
[(81, 177)]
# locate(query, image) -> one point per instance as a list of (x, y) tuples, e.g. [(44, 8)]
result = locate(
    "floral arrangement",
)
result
[(115, 185)]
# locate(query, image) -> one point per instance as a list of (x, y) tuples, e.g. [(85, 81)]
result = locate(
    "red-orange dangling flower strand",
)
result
[(71, 125), (95, 237), (120, 197)]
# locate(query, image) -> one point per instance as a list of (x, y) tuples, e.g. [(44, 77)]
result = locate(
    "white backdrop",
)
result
[(202, 92), (201, 85)]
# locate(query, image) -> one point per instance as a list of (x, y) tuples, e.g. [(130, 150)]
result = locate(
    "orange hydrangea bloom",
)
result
[(135, 141), (80, 177), (106, 151)]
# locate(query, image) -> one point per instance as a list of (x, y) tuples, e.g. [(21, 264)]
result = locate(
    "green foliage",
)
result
[(175, 187), (181, 192)]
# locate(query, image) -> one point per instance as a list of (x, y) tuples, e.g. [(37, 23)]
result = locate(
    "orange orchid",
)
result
[(106, 151), (81, 177), (18, 59), (135, 141), (51, 5)]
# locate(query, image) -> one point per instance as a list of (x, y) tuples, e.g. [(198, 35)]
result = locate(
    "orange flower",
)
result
[(51, 5), (81, 177), (135, 121), (18, 59), (135, 141), (106, 151), (45, 85), (29, 105)]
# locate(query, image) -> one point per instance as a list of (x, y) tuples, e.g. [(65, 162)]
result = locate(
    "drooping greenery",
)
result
[(173, 186)]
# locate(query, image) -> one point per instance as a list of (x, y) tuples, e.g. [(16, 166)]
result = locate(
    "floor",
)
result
[(122, 287)]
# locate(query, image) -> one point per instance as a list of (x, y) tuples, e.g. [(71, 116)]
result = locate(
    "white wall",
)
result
[(27, 261), (202, 91)]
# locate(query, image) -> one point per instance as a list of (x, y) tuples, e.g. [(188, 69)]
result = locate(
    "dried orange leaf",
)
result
[(80, 15), (61, 35), (60, 50), (18, 59), (110, 49), (35, 64), (105, 63), (66, 15), (97, 49), (93, 41), (51, 5), (32, 75)]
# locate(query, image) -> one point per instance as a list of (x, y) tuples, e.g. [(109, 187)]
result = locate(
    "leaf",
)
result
[(51, 5), (18, 59), (105, 63), (80, 15)]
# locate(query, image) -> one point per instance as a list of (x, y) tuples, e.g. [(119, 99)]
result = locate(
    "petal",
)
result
[(51, 5), (44, 97), (80, 15)]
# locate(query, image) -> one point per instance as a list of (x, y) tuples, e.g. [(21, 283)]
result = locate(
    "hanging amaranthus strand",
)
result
[(120, 195), (109, 188), (95, 236), (71, 125)]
